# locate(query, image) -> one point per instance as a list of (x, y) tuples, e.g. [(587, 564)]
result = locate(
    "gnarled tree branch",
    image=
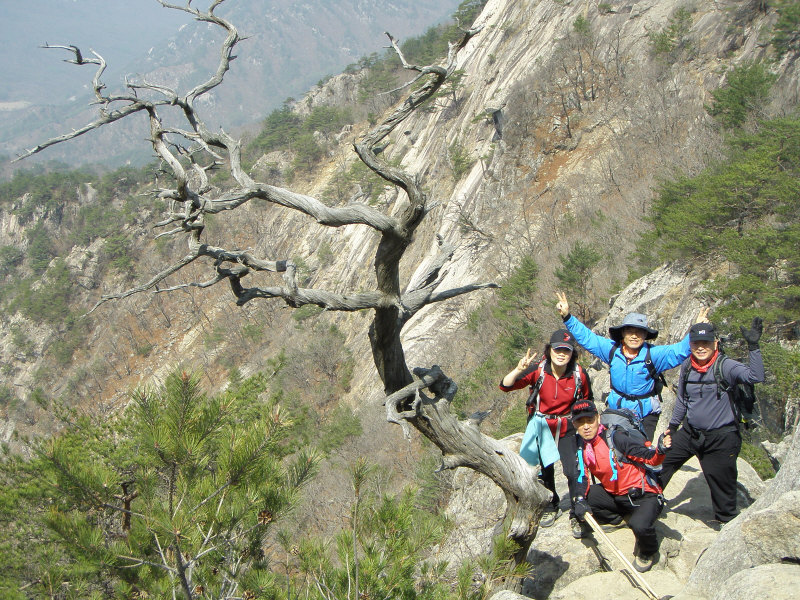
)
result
[(192, 150)]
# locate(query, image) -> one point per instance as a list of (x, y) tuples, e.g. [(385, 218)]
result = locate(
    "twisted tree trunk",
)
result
[(423, 400)]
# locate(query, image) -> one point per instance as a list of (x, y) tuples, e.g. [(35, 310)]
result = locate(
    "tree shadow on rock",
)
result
[(545, 572), (550, 571)]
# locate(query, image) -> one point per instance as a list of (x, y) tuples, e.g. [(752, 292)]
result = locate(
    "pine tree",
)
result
[(173, 499)]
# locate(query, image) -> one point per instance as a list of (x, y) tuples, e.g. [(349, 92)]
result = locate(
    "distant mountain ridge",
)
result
[(289, 47)]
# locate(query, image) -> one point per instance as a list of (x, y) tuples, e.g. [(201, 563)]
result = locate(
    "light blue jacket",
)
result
[(630, 377), (539, 447)]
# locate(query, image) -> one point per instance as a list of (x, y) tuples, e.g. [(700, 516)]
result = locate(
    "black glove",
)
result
[(662, 449), (753, 334), (580, 507)]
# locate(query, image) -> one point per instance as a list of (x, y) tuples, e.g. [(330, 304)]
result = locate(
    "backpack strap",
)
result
[(532, 404), (578, 374), (686, 367), (613, 350), (581, 465), (659, 383), (608, 436), (724, 386)]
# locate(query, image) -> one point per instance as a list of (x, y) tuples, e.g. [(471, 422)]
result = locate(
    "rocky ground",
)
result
[(566, 568)]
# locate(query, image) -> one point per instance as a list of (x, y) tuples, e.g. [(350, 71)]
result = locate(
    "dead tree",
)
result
[(421, 400)]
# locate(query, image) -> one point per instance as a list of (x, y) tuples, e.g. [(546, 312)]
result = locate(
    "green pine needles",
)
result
[(171, 500)]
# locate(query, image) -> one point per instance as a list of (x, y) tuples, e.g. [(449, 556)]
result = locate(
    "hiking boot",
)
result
[(644, 562), (549, 517), (715, 525), (579, 529)]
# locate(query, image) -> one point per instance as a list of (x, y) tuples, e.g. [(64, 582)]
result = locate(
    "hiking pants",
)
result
[(607, 508), (649, 424), (568, 450), (717, 450)]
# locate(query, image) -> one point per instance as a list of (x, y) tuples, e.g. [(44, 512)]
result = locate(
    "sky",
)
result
[(120, 30)]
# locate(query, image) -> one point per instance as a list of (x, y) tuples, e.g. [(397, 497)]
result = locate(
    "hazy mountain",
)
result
[(290, 45)]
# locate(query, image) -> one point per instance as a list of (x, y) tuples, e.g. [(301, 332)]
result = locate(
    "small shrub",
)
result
[(514, 420), (305, 312), (581, 26), (343, 424), (460, 160), (757, 457), (746, 88), (673, 39), (10, 258)]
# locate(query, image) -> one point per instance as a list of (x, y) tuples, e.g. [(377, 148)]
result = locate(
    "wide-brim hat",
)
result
[(632, 320)]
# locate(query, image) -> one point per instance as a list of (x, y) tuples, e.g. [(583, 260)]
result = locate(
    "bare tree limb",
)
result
[(192, 150)]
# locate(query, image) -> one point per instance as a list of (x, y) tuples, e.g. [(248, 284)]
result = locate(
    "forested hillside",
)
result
[(575, 146)]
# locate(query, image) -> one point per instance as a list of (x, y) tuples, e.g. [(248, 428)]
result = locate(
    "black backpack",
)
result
[(741, 395), (532, 404)]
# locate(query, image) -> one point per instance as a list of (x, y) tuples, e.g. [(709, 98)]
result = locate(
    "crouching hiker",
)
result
[(709, 415), (623, 487), (556, 382), (634, 364)]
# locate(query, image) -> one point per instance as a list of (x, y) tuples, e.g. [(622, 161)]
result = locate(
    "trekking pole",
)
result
[(634, 573)]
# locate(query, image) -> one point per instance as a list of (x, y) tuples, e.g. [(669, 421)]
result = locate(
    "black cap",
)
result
[(562, 339), (583, 408), (702, 332)]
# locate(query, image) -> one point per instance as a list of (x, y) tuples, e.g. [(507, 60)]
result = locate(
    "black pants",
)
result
[(649, 423), (717, 451), (607, 508), (568, 451)]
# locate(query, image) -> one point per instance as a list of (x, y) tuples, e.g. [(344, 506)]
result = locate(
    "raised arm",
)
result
[(522, 367), (588, 339)]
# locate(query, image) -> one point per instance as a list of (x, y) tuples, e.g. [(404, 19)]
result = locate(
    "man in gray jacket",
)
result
[(710, 428)]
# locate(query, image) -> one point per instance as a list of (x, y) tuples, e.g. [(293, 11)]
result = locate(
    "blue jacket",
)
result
[(630, 377)]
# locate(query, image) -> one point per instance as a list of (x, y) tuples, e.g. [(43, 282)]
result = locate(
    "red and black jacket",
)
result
[(618, 477), (555, 396)]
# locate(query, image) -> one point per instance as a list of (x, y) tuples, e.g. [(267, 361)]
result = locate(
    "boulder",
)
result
[(774, 581), (777, 451), (768, 532), (506, 595)]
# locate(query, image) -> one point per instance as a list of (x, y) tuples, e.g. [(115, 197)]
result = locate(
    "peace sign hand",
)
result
[(526, 361), (562, 305), (702, 317)]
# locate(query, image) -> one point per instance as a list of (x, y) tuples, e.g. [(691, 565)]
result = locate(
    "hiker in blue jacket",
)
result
[(707, 415), (634, 363)]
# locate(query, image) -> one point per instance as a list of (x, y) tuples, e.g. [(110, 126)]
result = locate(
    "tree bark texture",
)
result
[(192, 198)]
